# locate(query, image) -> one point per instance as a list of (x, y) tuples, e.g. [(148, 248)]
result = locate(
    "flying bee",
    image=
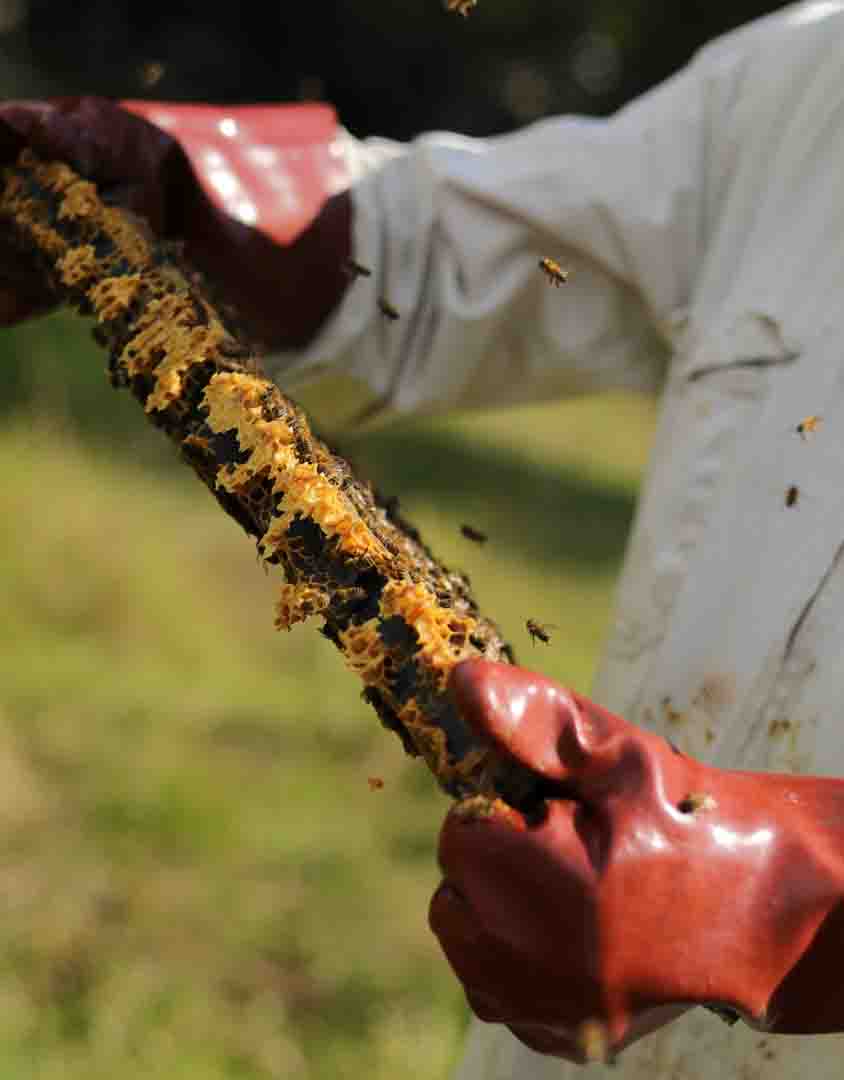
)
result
[(375, 783), (808, 425), (792, 495), (553, 271), (539, 631), (387, 309), (473, 534), (354, 269), (462, 7), (150, 74)]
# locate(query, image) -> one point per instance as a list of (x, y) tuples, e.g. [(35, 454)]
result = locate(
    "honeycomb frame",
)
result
[(401, 620)]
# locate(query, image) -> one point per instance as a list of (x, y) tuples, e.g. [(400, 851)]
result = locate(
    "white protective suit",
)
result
[(704, 228)]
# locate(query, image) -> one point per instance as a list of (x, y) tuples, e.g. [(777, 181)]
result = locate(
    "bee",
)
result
[(473, 534), (553, 271), (354, 269), (387, 309), (150, 74), (593, 1042), (539, 631), (792, 495), (808, 425), (462, 7), (694, 801), (375, 783)]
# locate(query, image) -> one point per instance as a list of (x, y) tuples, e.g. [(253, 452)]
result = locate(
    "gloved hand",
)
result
[(651, 884), (281, 293)]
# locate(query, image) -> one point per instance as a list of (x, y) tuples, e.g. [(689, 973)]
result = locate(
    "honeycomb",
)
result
[(400, 619)]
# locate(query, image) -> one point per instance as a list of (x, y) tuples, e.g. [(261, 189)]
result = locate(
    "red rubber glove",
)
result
[(283, 271), (652, 883)]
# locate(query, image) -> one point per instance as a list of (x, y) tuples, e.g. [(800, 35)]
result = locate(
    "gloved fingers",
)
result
[(522, 962), (493, 974), (492, 864), (124, 154), (282, 294), (16, 122), (450, 916), (59, 129), (121, 152)]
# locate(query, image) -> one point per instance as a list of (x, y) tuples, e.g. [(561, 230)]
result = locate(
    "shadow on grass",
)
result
[(51, 370), (546, 513)]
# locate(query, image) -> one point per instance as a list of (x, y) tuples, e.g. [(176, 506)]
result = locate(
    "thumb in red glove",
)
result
[(650, 883)]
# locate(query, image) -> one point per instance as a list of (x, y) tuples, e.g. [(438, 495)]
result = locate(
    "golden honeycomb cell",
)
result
[(296, 603), (80, 201), (78, 266), (114, 297)]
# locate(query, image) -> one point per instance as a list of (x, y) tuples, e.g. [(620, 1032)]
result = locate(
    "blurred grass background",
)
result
[(195, 877)]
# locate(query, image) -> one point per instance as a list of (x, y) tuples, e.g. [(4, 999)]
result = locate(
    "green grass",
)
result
[(196, 879)]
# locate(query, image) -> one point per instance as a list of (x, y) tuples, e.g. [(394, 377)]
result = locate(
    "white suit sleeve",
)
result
[(453, 230)]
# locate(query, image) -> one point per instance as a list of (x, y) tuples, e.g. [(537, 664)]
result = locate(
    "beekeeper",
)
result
[(703, 230)]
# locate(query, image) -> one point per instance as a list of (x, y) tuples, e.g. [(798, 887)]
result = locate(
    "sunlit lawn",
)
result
[(195, 877)]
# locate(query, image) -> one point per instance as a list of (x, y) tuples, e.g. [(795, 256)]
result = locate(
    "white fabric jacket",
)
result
[(704, 228)]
